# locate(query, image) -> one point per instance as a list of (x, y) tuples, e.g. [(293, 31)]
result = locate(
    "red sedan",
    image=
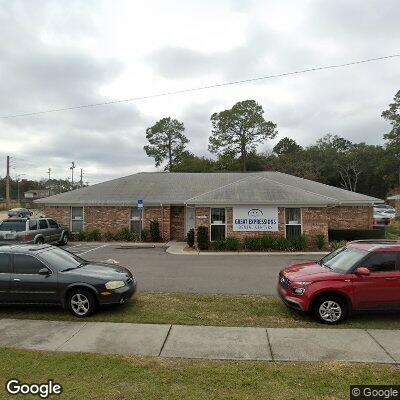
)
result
[(364, 275)]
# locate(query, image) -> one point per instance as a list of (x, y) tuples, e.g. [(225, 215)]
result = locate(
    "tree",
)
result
[(239, 130), (167, 141), (392, 114), (286, 146)]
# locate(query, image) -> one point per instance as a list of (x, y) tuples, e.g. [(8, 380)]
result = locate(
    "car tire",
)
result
[(64, 240), (330, 310), (39, 241), (81, 303)]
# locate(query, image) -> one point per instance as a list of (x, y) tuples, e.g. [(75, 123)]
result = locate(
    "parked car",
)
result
[(19, 212), (380, 220), (383, 207), (50, 275), (32, 230), (364, 275)]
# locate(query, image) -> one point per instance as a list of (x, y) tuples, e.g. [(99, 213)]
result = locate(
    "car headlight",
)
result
[(115, 284), (301, 289)]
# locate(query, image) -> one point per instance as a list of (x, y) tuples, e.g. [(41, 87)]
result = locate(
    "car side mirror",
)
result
[(362, 271), (44, 271)]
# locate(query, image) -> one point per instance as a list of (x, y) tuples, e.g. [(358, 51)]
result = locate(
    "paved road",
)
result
[(210, 342), (158, 271)]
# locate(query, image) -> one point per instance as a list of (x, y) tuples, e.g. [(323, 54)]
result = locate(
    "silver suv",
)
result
[(32, 230)]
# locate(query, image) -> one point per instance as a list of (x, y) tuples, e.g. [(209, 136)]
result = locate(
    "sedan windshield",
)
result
[(62, 259), (341, 260), (17, 226)]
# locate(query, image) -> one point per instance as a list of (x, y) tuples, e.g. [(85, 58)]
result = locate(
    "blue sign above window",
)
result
[(140, 203)]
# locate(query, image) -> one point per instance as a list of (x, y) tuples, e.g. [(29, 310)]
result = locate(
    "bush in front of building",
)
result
[(203, 242), (190, 238), (155, 231), (93, 236), (144, 235), (125, 235), (337, 244), (320, 241), (355, 234), (269, 243)]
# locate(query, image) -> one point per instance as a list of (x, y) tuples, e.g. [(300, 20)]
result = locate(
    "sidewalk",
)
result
[(177, 248), (207, 342)]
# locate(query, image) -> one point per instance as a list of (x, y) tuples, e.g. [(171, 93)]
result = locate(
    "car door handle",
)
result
[(391, 279), (17, 279)]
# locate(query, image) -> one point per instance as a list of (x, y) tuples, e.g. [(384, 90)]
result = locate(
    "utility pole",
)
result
[(48, 183), (8, 183), (81, 181), (72, 167)]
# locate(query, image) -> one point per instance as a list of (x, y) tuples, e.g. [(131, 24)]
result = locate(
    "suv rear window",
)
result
[(18, 226)]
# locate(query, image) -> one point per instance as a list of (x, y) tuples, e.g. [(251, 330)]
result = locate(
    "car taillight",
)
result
[(27, 236)]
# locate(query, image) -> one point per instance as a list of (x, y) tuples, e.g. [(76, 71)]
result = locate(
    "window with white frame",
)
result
[(136, 221), (293, 222), (77, 219), (218, 224)]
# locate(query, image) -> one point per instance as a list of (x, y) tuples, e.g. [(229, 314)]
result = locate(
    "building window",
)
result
[(76, 219), (293, 222), (136, 221), (218, 224)]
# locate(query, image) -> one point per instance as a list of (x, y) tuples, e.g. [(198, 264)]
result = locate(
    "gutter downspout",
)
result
[(162, 220)]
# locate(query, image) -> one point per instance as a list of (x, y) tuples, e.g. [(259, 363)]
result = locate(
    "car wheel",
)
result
[(81, 303), (39, 241), (64, 239), (330, 310)]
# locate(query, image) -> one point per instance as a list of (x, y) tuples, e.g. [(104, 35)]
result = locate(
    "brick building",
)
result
[(230, 204)]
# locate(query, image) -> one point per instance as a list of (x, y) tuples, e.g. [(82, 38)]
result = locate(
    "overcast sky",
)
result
[(65, 53)]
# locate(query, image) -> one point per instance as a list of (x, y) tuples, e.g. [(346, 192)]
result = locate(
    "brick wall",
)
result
[(177, 223), (350, 217), (315, 222), (162, 215), (106, 218), (62, 214)]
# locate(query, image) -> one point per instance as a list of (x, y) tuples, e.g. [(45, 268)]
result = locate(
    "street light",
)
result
[(17, 179)]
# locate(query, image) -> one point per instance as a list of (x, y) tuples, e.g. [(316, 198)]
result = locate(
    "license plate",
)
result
[(9, 236)]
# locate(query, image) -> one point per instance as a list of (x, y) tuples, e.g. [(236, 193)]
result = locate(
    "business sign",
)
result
[(140, 204), (255, 219)]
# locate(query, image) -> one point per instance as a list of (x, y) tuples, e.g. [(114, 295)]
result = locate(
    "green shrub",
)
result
[(218, 245), (252, 243), (337, 244), (144, 235), (355, 234), (298, 243), (93, 236), (190, 238), (282, 244), (320, 241), (125, 235), (232, 244), (202, 238), (80, 236), (267, 243), (155, 231), (108, 236)]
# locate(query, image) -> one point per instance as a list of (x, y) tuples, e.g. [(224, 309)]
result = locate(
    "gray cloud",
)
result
[(45, 62)]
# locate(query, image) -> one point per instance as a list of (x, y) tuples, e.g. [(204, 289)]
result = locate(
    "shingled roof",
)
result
[(274, 188)]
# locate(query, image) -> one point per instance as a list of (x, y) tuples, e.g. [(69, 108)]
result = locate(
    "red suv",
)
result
[(364, 275)]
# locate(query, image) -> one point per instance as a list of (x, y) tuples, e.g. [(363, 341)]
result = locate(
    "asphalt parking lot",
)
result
[(158, 271)]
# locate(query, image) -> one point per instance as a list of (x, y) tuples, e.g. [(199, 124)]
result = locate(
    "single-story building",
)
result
[(395, 202), (229, 204), (36, 194)]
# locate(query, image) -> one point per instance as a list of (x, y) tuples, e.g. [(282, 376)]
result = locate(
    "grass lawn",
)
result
[(393, 231), (190, 309), (90, 376)]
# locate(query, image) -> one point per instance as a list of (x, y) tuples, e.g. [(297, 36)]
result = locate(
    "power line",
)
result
[(105, 103)]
